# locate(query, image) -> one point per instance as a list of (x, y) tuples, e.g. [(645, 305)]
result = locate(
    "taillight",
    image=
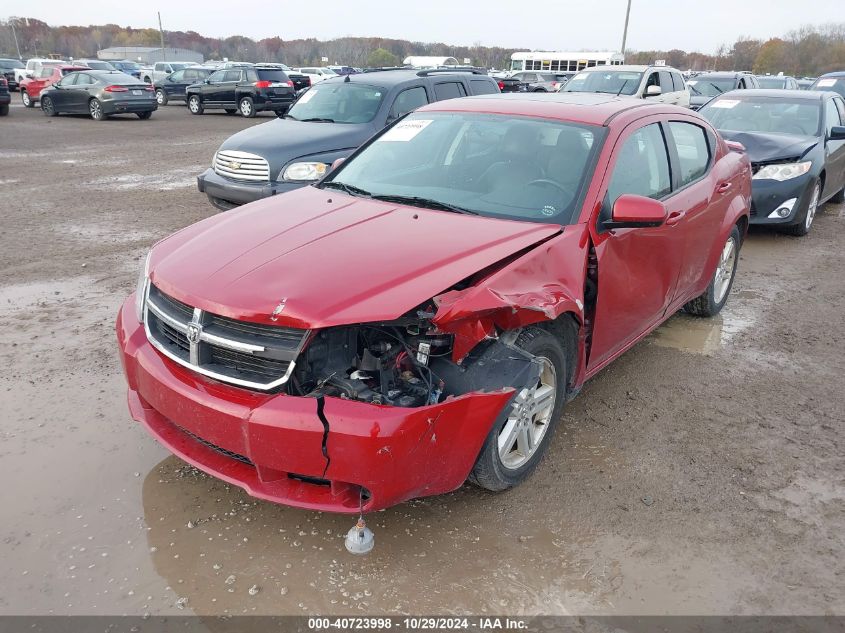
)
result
[(3, 81), (263, 84), (554, 84), (290, 83), (501, 85), (149, 88), (116, 89), (308, 79)]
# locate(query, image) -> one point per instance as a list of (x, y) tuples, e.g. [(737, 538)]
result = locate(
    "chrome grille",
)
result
[(241, 166), (245, 354)]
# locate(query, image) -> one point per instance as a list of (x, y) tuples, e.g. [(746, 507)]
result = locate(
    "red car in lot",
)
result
[(48, 75), (421, 316)]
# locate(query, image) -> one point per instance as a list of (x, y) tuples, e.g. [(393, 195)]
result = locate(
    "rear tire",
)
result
[(26, 99), (95, 109), (47, 106), (513, 448), (839, 196), (712, 300), (144, 115), (161, 97), (246, 107), (195, 104)]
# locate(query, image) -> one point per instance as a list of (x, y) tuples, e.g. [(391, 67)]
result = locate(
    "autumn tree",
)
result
[(381, 57), (773, 58)]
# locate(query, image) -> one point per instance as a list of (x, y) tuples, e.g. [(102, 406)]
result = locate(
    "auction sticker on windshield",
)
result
[(307, 96), (826, 83), (406, 130), (724, 103)]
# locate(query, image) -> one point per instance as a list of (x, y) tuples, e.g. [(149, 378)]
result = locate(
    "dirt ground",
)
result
[(702, 473)]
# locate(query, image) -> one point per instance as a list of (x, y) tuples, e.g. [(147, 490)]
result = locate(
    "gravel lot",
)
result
[(701, 473)]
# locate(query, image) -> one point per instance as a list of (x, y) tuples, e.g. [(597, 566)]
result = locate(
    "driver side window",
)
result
[(177, 76), (831, 116), (408, 100), (216, 77), (642, 166), (69, 80)]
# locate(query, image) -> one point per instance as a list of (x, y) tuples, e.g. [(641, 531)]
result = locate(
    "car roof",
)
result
[(638, 68), (727, 74), (836, 73), (774, 93), (581, 107), (104, 74), (393, 77), (73, 67)]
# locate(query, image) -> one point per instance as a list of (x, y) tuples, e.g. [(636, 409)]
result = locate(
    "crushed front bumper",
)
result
[(768, 195), (272, 445)]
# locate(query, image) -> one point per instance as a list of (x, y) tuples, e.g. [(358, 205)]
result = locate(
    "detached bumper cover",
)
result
[(272, 445), (236, 192)]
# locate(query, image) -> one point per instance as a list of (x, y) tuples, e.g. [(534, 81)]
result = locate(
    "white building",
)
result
[(421, 61), (150, 54)]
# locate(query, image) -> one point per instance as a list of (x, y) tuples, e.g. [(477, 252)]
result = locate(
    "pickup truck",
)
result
[(160, 70)]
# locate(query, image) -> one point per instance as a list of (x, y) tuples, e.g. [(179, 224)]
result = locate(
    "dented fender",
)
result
[(541, 285)]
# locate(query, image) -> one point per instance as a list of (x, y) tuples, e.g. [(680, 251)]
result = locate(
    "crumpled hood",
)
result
[(330, 258), (282, 140), (763, 148)]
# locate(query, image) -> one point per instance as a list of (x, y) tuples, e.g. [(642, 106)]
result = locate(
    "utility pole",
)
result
[(15, 35), (161, 35), (625, 32)]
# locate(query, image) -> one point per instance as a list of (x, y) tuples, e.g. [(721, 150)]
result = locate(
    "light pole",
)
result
[(625, 32), (15, 35)]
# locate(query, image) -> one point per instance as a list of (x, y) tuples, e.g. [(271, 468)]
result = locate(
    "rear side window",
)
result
[(693, 150), (450, 90), (483, 87), (642, 166), (408, 100), (276, 76)]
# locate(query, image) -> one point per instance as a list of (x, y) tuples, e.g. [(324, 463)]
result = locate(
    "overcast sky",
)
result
[(542, 24)]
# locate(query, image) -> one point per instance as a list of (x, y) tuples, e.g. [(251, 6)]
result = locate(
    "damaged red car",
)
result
[(422, 315)]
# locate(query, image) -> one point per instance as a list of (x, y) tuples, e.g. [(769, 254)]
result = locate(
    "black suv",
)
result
[(244, 90), (7, 70), (327, 122)]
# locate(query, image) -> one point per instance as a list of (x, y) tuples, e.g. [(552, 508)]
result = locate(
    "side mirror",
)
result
[(632, 211), (653, 91), (337, 163), (837, 133)]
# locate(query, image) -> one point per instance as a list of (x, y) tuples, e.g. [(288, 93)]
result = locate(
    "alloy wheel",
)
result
[(724, 270), (25, 98), (47, 105), (813, 206), (159, 97), (246, 108), (529, 419)]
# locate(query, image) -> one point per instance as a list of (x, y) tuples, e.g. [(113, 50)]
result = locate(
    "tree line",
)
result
[(807, 51)]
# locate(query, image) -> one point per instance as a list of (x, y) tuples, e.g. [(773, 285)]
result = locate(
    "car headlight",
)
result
[(783, 171), (141, 289), (305, 171)]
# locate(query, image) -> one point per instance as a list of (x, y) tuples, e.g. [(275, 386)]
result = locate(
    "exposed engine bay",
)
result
[(381, 363), (404, 363)]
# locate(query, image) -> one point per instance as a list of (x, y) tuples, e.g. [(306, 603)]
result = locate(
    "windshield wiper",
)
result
[(694, 89), (288, 116), (317, 120), (416, 201), (352, 190), (716, 87), (625, 83)]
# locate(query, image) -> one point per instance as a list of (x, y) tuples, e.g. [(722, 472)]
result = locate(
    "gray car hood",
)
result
[(283, 140), (764, 148)]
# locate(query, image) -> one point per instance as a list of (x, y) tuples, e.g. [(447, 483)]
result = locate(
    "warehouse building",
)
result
[(150, 54)]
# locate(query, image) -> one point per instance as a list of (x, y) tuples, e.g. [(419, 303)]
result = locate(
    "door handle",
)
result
[(675, 217), (723, 187)]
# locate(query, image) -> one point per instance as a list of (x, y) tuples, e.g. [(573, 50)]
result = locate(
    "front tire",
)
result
[(144, 115), (513, 448), (806, 222), (26, 99), (246, 107), (161, 97), (195, 105), (47, 106), (231, 111), (712, 300)]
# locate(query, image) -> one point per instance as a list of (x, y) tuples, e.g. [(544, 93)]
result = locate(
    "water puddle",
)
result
[(705, 336), (176, 179)]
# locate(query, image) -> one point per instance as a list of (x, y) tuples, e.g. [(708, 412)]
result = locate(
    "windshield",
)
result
[(493, 165), (338, 103), (772, 82), (11, 63), (176, 67), (764, 114), (710, 87), (835, 84), (623, 82)]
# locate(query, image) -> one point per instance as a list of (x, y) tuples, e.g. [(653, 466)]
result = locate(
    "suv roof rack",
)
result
[(457, 69)]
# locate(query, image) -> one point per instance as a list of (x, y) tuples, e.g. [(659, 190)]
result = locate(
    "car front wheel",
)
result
[(195, 105), (712, 300), (26, 100), (47, 106), (802, 227), (514, 447)]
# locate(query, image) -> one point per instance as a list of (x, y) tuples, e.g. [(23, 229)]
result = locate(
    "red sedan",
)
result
[(421, 316)]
